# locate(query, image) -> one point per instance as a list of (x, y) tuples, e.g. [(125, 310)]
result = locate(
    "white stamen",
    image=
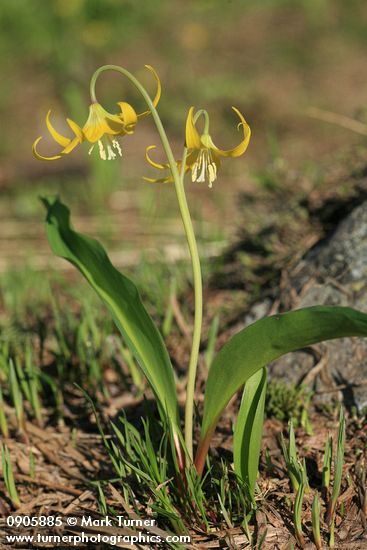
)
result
[(201, 177), (102, 152), (194, 172), (106, 148), (111, 154), (116, 145), (204, 168), (212, 174)]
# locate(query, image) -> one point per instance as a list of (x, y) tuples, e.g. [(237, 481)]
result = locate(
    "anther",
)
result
[(102, 152), (116, 145), (111, 154)]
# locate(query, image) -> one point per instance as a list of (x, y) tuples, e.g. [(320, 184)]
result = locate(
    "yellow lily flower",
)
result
[(101, 127), (203, 156)]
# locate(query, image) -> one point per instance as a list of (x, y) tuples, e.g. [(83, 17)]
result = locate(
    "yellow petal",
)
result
[(241, 147), (152, 162), (166, 166), (41, 157), (76, 129), (73, 143), (61, 140), (192, 136), (101, 122), (157, 93), (95, 127), (129, 116), (167, 179), (115, 126)]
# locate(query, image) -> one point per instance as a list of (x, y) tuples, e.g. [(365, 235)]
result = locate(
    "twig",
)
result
[(42, 483), (342, 387), (181, 323), (340, 120)]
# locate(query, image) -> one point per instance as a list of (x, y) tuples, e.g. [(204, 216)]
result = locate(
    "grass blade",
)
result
[(298, 505), (3, 422), (326, 466), (9, 476), (316, 521), (338, 469)]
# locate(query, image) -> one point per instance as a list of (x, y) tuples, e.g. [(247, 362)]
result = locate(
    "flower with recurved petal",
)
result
[(101, 128), (203, 156)]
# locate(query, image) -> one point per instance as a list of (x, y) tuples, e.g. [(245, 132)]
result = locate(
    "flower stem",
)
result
[(198, 317), (191, 241), (204, 113)]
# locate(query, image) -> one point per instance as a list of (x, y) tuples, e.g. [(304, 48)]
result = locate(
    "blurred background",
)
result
[(273, 59)]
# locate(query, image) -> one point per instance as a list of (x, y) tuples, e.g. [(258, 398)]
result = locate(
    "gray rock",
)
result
[(257, 311), (333, 273)]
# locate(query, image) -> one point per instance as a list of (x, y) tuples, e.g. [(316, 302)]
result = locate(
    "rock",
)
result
[(257, 311), (334, 272)]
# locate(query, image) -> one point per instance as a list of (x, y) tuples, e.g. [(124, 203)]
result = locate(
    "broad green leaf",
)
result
[(121, 297), (248, 430), (257, 345)]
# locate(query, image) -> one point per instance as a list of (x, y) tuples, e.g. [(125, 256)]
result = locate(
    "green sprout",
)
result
[(16, 397), (316, 521), (305, 419), (290, 457), (28, 377), (9, 476), (297, 512), (327, 463), (3, 422), (32, 464), (338, 469), (297, 473), (102, 500), (332, 533)]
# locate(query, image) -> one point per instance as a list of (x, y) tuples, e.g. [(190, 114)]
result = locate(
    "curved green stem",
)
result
[(191, 240), (204, 113)]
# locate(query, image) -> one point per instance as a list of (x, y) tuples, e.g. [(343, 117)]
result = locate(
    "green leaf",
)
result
[(248, 431), (260, 343), (121, 297)]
